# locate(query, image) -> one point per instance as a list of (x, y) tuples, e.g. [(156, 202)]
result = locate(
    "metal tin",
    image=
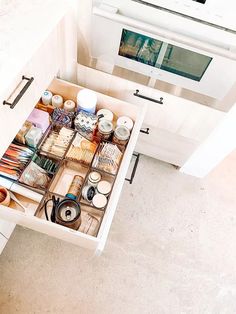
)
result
[(104, 187), (121, 135), (68, 214), (88, 192), (75, 187), (105, 128), (94, 178), (99, 201)]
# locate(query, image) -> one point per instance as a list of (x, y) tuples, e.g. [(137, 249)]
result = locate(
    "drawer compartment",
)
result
[(94, 236)]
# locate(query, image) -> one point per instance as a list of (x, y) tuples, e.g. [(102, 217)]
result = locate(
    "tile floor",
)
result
[(171, 250)]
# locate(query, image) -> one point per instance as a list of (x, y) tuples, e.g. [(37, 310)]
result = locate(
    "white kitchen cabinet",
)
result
[(177, 127)]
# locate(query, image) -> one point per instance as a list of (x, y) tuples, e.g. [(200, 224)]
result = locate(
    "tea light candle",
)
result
[(69, 105), (87, 100), (57, 101), (47, 98)]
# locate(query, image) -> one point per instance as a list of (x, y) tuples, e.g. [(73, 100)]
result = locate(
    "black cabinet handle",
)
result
[(136, 155), (160, 101), (21, 93), (145, 131)]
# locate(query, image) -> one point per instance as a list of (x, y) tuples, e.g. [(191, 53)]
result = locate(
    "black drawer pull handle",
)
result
[(134, 169), (21, 93), (145, 131), (148, 98)]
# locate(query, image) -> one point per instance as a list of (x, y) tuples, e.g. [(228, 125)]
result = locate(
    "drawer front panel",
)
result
[(48, 228), (70, 91), (3, 242)]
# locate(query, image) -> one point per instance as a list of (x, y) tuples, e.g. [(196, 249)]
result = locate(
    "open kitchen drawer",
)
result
[(96, 242)]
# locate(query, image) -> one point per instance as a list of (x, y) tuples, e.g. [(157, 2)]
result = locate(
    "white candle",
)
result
[(87, 100)]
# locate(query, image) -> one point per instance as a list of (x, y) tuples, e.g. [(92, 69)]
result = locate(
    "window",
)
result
[(162, 55)]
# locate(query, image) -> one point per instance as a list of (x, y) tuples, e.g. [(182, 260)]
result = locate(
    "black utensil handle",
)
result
[(160, 101), (134, 168), (21, 93)]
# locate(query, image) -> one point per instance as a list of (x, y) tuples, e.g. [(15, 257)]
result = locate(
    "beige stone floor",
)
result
[(171, 250)]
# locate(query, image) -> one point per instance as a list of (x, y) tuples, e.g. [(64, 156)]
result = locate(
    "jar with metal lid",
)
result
[(121, 135), (94, 178), (105, 129), (105, 114), (125, 121)]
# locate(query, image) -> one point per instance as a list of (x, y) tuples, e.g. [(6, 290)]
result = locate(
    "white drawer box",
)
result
[(97, 243)]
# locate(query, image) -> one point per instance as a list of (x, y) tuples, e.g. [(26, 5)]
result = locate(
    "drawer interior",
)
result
[(29, 204), (61, 169)]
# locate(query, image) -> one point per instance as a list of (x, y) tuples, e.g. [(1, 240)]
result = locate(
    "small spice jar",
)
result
[(104, 187), (94, 178), (121, 135), (47, 97), (105, 128), (69, 105), (57, 101)]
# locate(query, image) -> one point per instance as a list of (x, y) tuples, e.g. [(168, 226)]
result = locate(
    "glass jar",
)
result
[(105, 114), (105, 129), (121, 135), (125, 121)]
